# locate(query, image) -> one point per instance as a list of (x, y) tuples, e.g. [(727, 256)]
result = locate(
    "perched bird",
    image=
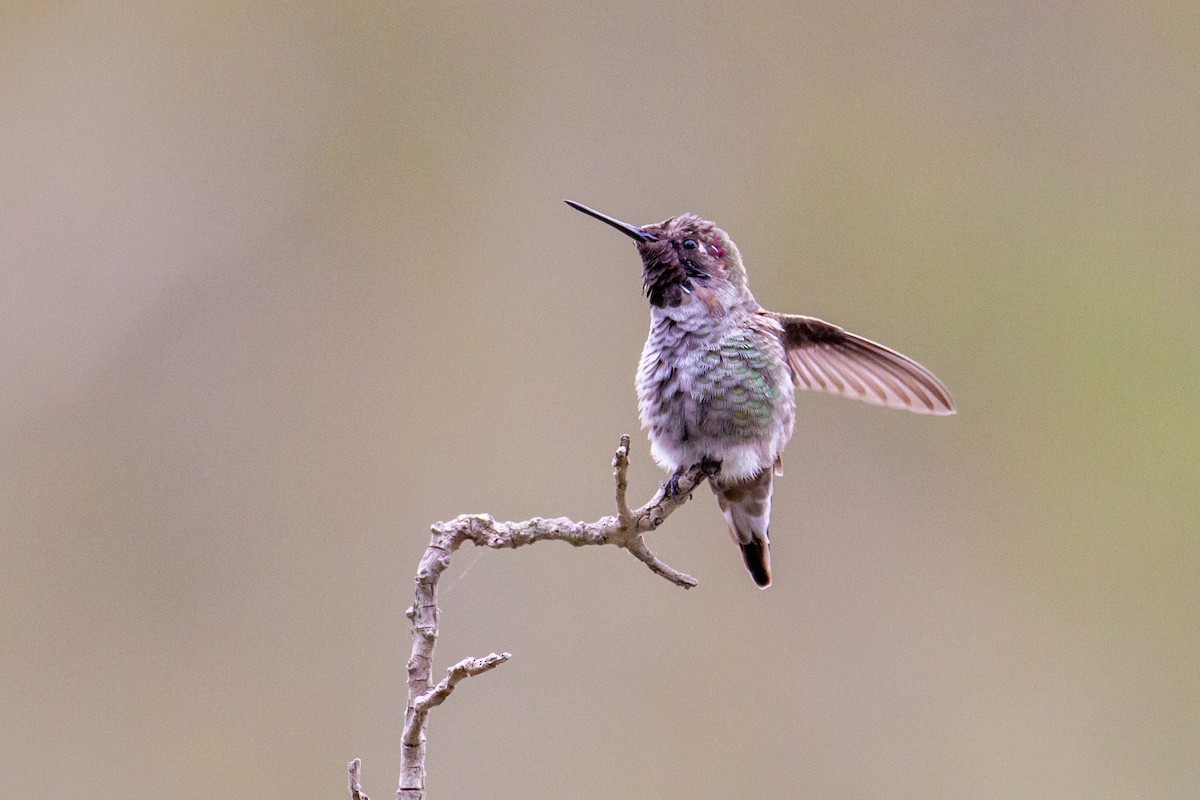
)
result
[(717, 380)]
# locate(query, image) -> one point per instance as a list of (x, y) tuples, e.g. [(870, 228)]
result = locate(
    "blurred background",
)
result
[(283, 284)]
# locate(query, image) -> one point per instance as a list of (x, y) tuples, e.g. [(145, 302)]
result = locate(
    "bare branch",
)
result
[(355, 770), (466, 668), (620, 468), (638, 549), (625, 530)]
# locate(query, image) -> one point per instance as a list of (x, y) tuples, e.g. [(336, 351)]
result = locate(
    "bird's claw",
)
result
[(671, 487), (711, 467)]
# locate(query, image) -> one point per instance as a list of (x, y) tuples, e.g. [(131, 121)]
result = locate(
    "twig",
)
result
[(355, 770), (467, 668), (625, 530)]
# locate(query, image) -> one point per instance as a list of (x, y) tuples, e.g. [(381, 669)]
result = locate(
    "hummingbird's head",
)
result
[(685, 259)]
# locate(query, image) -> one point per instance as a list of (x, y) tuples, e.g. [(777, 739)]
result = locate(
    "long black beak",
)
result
[(632, 231)]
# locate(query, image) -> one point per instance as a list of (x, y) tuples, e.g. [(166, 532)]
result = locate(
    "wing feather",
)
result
[(826, 358)]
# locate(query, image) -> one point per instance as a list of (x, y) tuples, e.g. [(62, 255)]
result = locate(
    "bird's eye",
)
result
[(689, 244)]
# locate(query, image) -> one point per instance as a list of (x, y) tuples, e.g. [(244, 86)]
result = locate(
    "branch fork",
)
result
[(625, 530)]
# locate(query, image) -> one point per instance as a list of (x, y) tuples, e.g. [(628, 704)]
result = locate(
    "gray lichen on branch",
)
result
[(625, 529)]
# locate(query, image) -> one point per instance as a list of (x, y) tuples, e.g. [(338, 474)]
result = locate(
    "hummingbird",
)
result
[(717, 379)]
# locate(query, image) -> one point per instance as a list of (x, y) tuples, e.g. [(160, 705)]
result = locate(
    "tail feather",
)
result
[(747, 508), (757, 555)]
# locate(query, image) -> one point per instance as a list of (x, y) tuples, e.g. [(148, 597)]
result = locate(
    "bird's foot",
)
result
[(671, 487), (711, 467)]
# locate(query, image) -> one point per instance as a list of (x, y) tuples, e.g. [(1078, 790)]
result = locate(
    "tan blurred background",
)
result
[(282, 284)]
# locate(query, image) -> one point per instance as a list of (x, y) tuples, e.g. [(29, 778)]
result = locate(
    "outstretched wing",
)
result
[(826, 358)]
